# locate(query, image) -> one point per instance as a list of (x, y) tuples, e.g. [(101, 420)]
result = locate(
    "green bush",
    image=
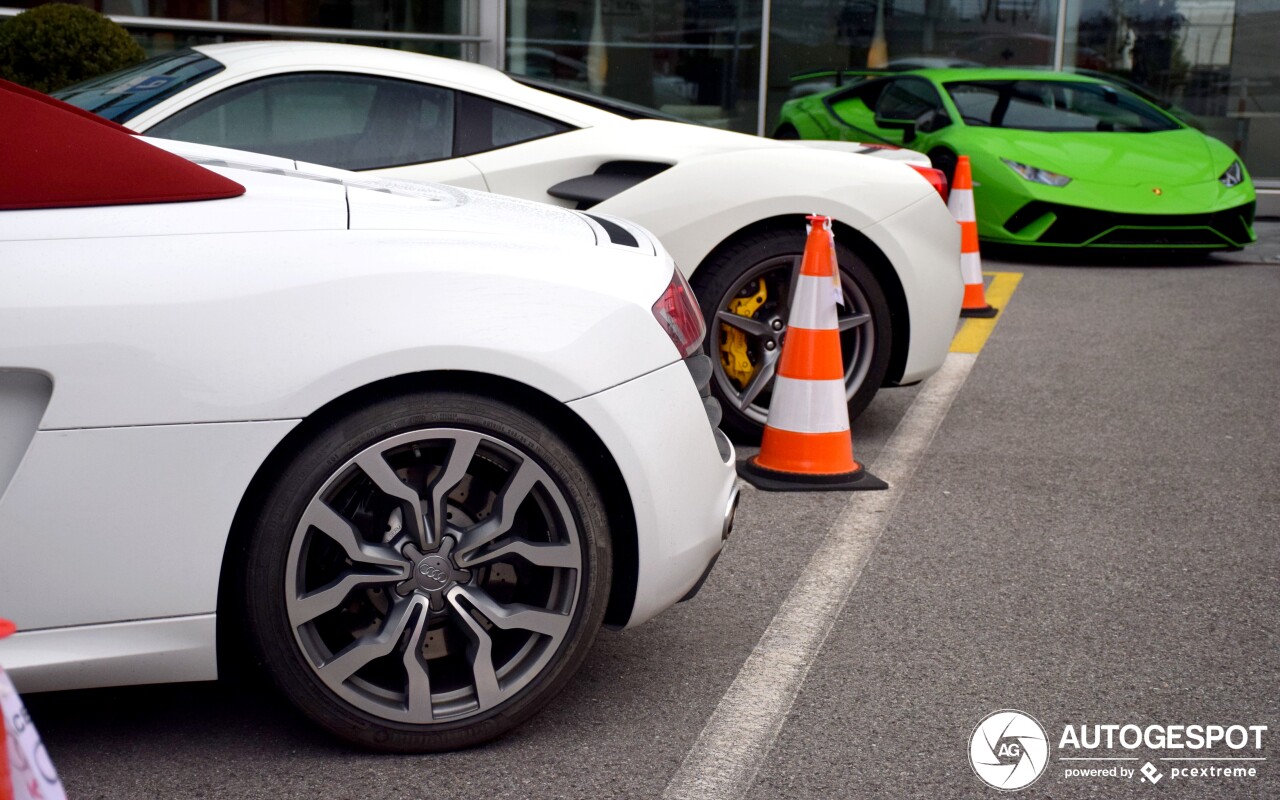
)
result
[(56, 45)]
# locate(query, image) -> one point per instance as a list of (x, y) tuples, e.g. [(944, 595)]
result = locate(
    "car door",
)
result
[(344, 120)]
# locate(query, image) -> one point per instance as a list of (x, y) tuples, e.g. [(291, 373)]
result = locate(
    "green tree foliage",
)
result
[(56, 45)]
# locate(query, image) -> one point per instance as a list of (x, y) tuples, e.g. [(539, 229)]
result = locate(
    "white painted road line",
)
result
[(741, 731)]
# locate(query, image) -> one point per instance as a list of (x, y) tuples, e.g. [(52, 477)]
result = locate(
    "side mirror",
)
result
[(932, 120)]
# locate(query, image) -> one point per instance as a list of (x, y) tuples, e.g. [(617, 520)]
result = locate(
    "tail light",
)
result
[(936, 178), (678, 313)]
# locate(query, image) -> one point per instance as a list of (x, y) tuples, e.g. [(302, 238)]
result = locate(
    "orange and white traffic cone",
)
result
[(966, 213), (807, 445), (6, 780), (26, 773)]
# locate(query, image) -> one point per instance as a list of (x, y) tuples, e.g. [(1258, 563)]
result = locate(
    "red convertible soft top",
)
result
[(55, 155)]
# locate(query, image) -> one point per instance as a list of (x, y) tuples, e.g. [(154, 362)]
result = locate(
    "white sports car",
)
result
[(729, 207), (417, 442)]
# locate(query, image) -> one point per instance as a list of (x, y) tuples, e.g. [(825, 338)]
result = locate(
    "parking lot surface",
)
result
[(1087, 530)]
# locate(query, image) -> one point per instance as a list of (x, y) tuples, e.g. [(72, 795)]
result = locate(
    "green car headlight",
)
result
[(1234, 175), (1037, 175)]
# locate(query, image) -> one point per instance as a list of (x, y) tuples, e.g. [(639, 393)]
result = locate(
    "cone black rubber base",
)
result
[(980, 313), (773, 481)]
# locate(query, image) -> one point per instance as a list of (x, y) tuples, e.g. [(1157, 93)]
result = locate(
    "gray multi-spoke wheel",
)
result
[(429, 571), (745, 290)]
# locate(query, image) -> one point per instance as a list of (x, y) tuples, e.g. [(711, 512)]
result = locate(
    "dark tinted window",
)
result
[(487, 125), (1055, 106), (122, 95), (348, 121), (907, 100)]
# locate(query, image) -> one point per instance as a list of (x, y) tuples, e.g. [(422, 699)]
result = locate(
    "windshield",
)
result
[(1055, 106), (124, 94)]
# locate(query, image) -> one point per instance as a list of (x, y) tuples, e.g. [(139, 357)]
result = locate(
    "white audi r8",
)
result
[(417, 442), (729, 207)]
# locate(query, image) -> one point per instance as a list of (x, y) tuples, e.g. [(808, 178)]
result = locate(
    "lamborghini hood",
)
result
[(1168, 158)]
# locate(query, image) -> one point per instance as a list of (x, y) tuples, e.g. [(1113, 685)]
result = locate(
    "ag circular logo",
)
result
[(1008, 750)]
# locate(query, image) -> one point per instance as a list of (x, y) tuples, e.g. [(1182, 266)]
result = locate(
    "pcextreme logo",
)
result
[(1009, 750)]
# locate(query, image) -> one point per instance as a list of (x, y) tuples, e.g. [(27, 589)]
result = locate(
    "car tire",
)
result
[(728, 284), (440, 635), (786, 131)]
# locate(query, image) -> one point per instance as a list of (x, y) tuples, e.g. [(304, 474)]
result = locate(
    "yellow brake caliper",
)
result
[(733, 342)]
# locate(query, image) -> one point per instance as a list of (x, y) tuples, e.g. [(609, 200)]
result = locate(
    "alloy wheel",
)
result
[(755, 331), (433, 576)]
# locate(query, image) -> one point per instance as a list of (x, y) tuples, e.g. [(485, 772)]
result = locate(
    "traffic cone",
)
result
[(807, 445), (26, 773), (966, 213), (6, 780)]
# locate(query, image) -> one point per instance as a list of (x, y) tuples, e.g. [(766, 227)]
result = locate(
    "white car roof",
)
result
[(247, 60), (271, 57)]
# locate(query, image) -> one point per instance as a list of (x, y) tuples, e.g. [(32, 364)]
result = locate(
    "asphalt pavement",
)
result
[(1092, 537)]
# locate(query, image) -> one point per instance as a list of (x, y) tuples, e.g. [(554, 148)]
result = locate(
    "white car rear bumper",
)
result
[(923, 243), (681, 488)]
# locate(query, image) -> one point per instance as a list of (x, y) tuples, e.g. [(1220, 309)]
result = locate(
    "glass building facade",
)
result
[(731, 63)]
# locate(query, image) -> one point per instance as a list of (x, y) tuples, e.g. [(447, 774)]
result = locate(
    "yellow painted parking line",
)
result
[(973, 334)]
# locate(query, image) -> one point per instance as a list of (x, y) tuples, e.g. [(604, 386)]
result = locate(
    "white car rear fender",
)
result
[(685, 206), (889, 152), (928, 268), (364, 306)]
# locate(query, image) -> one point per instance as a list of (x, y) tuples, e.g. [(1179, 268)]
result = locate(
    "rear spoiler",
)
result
[(838, 74)]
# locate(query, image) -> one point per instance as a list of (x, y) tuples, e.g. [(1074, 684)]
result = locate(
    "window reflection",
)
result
[(410, 16), (830, 35), (697, 59), (392, 16), (1212, 62), (1253, 89)]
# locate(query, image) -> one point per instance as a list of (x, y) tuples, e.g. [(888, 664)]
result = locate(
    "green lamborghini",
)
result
[(1059, 160)]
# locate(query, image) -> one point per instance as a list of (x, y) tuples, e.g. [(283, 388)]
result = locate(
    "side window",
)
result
[(487, 125), (977, 102), (348, 121), (907, 99)]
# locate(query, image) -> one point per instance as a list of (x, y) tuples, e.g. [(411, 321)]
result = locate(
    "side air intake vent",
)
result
[(611, 178)]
